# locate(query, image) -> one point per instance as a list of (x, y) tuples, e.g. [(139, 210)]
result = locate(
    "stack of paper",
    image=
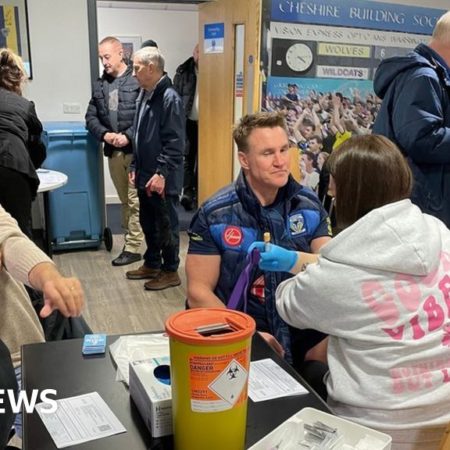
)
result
[(80, 419), (94, 344)]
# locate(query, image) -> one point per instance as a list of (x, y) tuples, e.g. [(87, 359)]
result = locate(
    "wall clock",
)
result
[(299, 57)]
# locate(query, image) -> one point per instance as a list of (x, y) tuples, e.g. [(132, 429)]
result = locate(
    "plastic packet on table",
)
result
[(135, 348)]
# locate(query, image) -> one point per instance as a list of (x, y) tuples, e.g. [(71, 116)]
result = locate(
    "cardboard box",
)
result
[(152, 397)]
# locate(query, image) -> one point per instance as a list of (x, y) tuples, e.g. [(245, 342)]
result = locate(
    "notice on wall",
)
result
[(214, 37)]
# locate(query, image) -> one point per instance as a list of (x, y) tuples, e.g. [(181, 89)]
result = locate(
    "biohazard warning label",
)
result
[(218, 382)]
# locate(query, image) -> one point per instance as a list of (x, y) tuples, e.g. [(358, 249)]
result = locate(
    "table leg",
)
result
[(47, 235)]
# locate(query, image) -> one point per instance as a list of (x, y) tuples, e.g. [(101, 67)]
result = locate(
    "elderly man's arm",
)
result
[(172, 135), (202, 273)]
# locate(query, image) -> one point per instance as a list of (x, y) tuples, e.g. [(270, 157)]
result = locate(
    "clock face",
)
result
[(299, 57)]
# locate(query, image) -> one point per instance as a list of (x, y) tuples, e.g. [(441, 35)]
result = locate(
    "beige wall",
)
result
[(59, 57)]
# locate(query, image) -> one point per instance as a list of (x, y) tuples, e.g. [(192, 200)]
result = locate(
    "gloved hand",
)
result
[(275, 258)]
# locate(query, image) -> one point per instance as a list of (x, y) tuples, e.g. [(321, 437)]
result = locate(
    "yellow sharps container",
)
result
[(210, 362)]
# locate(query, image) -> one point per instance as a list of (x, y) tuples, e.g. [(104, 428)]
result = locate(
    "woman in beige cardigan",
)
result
[(24, 263), (21, 262)]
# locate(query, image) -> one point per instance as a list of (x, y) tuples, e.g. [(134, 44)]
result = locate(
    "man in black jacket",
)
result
[(157, 169), (186, 84), (109, 118)]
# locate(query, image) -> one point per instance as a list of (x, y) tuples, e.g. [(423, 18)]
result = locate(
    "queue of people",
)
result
[(148, 128), (370, 305)]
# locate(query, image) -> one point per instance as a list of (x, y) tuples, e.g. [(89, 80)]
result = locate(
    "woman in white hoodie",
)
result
[(381, 291)]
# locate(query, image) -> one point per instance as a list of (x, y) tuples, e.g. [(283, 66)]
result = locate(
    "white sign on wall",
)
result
[(214, 35)]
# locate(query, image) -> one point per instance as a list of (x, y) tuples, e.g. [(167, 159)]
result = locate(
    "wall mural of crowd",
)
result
[(318, 62)]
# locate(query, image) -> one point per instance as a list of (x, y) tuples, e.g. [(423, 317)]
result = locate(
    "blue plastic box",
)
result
[(76, 210)]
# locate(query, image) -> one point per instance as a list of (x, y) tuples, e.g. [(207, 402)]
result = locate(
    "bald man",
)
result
[(415, 114), (109, 118)]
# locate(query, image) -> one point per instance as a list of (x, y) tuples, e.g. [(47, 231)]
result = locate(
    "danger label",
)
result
[(218, 382)]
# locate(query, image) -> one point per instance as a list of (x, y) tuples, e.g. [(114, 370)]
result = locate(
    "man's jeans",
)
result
[(159, 221)]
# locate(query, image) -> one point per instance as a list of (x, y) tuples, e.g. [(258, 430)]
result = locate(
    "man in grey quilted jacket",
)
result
[(109, 118)]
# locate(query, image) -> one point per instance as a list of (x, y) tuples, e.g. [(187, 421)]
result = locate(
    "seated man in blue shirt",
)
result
[(264, 198)]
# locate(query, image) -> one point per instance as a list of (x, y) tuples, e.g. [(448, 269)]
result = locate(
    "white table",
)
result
[(49, 181)]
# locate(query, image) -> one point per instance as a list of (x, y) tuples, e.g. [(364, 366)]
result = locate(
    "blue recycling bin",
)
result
[(76, 210)]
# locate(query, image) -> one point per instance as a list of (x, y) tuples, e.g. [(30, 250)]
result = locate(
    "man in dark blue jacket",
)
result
[(264, 198), (157, 169), (109, 118), (415, 114)]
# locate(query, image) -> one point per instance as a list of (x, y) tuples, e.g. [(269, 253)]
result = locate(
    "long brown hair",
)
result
[(12, 71), (369, 171)]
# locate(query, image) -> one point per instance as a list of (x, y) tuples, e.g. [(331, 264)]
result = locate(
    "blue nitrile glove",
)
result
[(275, 258)]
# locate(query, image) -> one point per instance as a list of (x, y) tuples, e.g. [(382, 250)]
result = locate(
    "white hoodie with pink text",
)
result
[(381, 290)]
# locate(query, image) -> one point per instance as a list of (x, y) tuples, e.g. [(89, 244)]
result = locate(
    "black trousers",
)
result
[(16, 197), (191, 159), (313, 372), (159, 221)]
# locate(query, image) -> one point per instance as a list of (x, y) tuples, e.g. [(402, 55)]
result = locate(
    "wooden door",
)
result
[(216, 88)]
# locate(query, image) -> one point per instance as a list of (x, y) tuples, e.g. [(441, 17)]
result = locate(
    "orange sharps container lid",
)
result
[(210, 326)]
